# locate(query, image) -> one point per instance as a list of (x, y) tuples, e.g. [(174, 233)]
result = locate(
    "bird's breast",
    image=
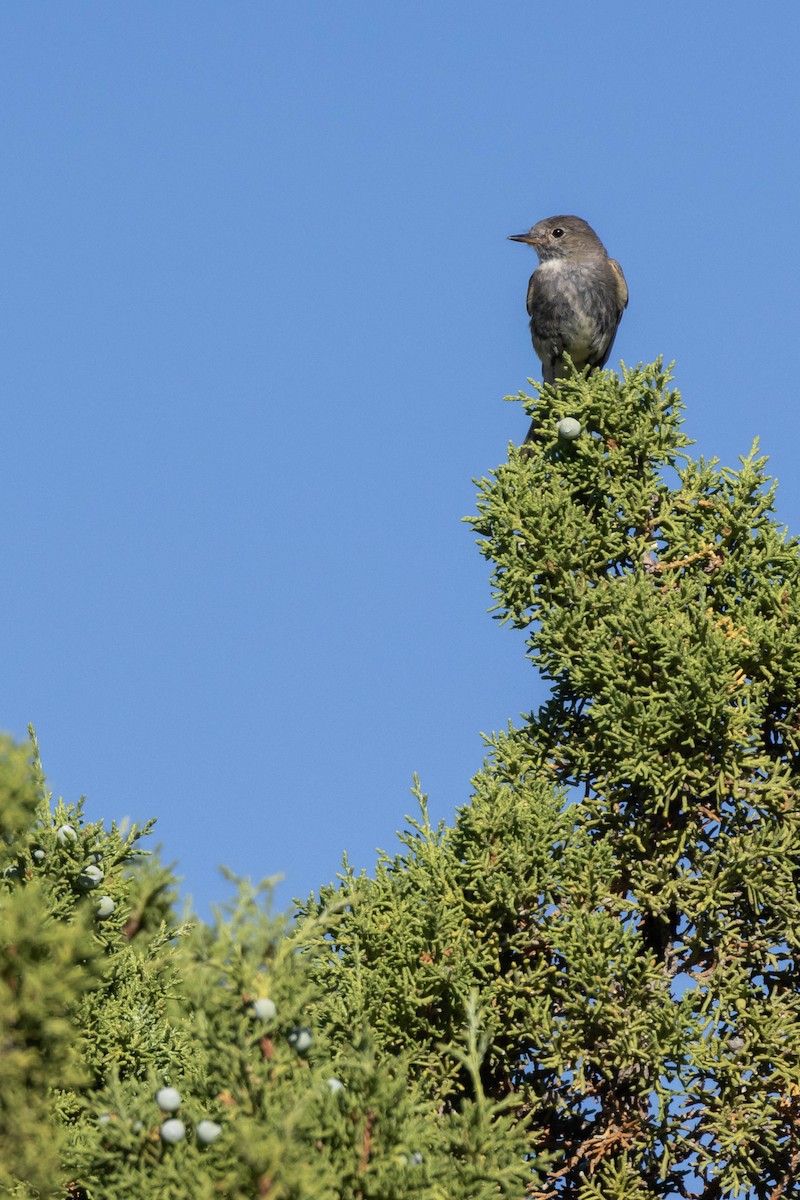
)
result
[(567, 311)]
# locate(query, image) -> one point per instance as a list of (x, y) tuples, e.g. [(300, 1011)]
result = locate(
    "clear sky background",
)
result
[(258, 317)]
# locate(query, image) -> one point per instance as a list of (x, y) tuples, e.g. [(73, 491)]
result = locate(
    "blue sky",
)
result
[(259, 315)]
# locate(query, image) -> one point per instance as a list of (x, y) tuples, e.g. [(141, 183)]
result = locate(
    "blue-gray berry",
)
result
[(90, 878), (569, 429), (207, 1132), (168, 1099), (264, 1009), (173, 1131), (301, 1039)]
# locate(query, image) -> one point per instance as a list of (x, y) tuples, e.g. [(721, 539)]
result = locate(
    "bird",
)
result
[(576, 296)]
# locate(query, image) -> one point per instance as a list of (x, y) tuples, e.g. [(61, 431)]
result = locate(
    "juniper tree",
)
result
[(144, 1057), (621, 891)]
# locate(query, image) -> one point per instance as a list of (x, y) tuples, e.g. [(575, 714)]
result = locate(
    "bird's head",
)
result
[(561, 237)]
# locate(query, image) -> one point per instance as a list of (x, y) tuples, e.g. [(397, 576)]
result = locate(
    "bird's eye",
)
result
[(558, 232)]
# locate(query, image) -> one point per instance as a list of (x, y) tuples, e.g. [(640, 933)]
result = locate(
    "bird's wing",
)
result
[(531, 291), (620, 285), (621, 300)]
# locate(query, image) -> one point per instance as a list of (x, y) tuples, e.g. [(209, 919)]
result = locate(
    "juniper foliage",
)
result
[(621, 892), (585, 987), (102, 1009)]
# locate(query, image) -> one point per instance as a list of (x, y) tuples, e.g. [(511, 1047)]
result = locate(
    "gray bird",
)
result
[(576, 296)]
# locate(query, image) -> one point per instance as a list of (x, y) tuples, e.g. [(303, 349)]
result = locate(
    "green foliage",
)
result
[(621, 892), (40, 963), (102, 1009), (585, 987)]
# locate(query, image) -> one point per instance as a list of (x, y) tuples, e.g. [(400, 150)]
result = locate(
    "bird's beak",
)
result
[(522, 237)]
